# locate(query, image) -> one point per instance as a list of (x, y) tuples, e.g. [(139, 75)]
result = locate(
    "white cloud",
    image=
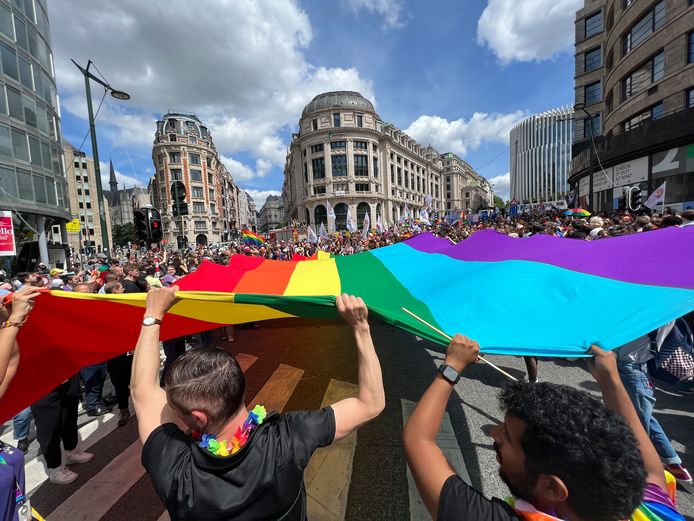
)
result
[(259, 196), (502, 185), (247, 81), (238, 170), (527, 30), (390, 10), (123, 179), (460, 136)]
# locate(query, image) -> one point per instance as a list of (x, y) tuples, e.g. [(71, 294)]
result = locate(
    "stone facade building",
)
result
[(123, 202), (465, 189), (82, 194), (184, 152), (271, 215), (346, 155), (635, 99)]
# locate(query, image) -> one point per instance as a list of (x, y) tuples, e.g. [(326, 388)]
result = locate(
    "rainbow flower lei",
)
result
[(221, 448)]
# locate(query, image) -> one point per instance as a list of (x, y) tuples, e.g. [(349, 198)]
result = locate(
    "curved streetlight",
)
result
[(119, 95)]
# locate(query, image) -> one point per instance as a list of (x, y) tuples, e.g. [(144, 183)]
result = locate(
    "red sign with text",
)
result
[(7, 245)]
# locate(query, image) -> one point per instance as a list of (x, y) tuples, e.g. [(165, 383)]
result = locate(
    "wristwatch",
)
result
[(150, 321), (450, 373)]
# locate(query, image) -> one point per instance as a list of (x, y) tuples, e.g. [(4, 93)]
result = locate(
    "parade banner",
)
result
[(7, 242), (426, 275)]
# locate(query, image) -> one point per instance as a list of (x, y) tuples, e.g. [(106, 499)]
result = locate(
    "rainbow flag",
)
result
[(504, 292), (252, 238)]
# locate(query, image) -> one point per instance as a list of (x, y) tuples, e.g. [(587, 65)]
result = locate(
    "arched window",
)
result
[(378, 212), (320, 215), (201, 239), (362, 210), (341, 216)]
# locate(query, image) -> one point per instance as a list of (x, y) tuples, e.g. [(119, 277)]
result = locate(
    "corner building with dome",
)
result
[(345, 154)]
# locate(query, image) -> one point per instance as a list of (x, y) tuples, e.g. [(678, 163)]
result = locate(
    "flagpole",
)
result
[(664, 190), (447, 337)]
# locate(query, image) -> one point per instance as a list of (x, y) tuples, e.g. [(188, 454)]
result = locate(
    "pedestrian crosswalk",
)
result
[(114, 486)]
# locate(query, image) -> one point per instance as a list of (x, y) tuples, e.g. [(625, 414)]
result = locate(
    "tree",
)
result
[(499, 202), (124, 233)]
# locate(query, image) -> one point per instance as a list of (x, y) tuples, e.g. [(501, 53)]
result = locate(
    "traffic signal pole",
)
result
[(180, 215)]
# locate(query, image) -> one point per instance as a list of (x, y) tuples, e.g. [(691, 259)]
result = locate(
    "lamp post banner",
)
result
[(7, 243)]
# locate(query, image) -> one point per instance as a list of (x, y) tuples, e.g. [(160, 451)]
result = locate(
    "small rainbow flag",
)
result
[(252, 238)]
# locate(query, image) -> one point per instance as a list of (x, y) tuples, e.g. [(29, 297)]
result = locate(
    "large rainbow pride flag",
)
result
[(543, 296)]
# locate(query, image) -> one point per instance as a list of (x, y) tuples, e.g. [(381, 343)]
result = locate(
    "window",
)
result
[(591, 124), (689, 100), (192, 140), (318, 168), (6, 23), (400, 176), (339, 164), (361, 165), (641, 30), (172, 137), (592, 93), (337, 145), (210, 179), (375, 163), (651, 71), (174, 157), (317, 148), (19, 145), (592, 59), (14, 103), (593, 25), (21, 31), (210, 193), (196, 192), (305, 172), (35, 150), (361, 187), (25, 73), (176, 174), (336, 119), (160, 159), (196, 175), (314, 124), (194, 158), (360, 121), (360, 145), (657, 111), (198, 208), (318, 190), (9, 62), (40, 188), (690, 53), (213, 208)]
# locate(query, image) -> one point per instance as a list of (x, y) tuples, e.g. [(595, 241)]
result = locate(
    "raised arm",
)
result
[(12, 319), (351, 413), (604, 369), (148, 397), (426, 460)]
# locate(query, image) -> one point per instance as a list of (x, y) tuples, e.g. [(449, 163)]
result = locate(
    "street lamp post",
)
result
[(582, 107), (120, 95)]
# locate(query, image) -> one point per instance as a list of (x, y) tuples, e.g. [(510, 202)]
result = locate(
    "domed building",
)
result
[(346, 155), (187, 167)]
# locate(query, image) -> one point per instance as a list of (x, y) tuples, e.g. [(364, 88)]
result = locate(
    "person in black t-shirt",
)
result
[(562, 453), (245, 465)]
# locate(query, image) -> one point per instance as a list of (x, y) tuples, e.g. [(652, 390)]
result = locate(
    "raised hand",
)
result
[(352, 309), (462, 352), (603, 366), (23, 303), (160, 300)]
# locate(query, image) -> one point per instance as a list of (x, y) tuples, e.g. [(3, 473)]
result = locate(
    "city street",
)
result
[(296, 365)]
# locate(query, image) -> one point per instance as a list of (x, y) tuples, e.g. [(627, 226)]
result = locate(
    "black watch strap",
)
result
[(450, 373)]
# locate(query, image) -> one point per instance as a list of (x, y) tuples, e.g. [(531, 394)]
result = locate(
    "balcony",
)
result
[(668, 131)]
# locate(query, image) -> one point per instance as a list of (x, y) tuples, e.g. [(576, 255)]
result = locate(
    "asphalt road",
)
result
[(296, 365)]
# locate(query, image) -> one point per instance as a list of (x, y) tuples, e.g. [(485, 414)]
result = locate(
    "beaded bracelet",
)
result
[(9, 323)]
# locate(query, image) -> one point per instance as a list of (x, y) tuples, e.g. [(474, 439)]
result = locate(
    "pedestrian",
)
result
[(21, 423), (242, 464), (562, 453), (120, 367)]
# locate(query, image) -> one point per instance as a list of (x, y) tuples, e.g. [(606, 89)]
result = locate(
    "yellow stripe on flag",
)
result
[(314, 278)]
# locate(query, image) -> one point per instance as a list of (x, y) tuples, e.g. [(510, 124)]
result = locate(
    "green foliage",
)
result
[(124, 233)]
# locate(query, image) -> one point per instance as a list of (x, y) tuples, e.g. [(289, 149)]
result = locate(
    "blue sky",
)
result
[(454, 74)]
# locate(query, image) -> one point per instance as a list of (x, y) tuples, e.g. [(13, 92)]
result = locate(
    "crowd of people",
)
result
[(549, 467)]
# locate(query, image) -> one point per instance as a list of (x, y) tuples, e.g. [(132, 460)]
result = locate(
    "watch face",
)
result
[(148, 321), (450, 374)]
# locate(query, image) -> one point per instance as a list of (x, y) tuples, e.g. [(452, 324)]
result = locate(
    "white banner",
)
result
[(656, 197)]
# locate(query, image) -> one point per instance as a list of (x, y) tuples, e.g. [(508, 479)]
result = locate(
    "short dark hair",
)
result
[(208, 380), (573, 436)]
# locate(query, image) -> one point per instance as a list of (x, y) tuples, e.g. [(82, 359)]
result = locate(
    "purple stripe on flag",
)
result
[(659, 258)]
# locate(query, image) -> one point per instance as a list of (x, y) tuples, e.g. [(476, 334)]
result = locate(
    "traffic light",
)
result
[(142, 224), (155, 231), (178, 198), (634, 198)]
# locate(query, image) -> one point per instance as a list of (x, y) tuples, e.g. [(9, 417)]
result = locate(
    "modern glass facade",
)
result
[(541, 156), (32, 172)]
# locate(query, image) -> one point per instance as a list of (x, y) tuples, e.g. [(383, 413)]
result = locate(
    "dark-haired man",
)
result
[(563, 454), (244, 465)]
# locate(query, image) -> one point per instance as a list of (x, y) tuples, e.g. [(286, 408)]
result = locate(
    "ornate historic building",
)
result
[(187, 166), (271, 215), (123, 203), (346, 155)]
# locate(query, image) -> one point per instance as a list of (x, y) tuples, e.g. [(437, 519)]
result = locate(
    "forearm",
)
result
[(146, 362), (9, 368), (8, 337), (370, 390), (425, 421)]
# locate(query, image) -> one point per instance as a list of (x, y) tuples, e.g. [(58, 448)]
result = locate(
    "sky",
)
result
[(454, 74)]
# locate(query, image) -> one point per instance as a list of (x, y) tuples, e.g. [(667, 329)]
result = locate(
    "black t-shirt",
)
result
[(130, 287), (264, 480), (459, 500)]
